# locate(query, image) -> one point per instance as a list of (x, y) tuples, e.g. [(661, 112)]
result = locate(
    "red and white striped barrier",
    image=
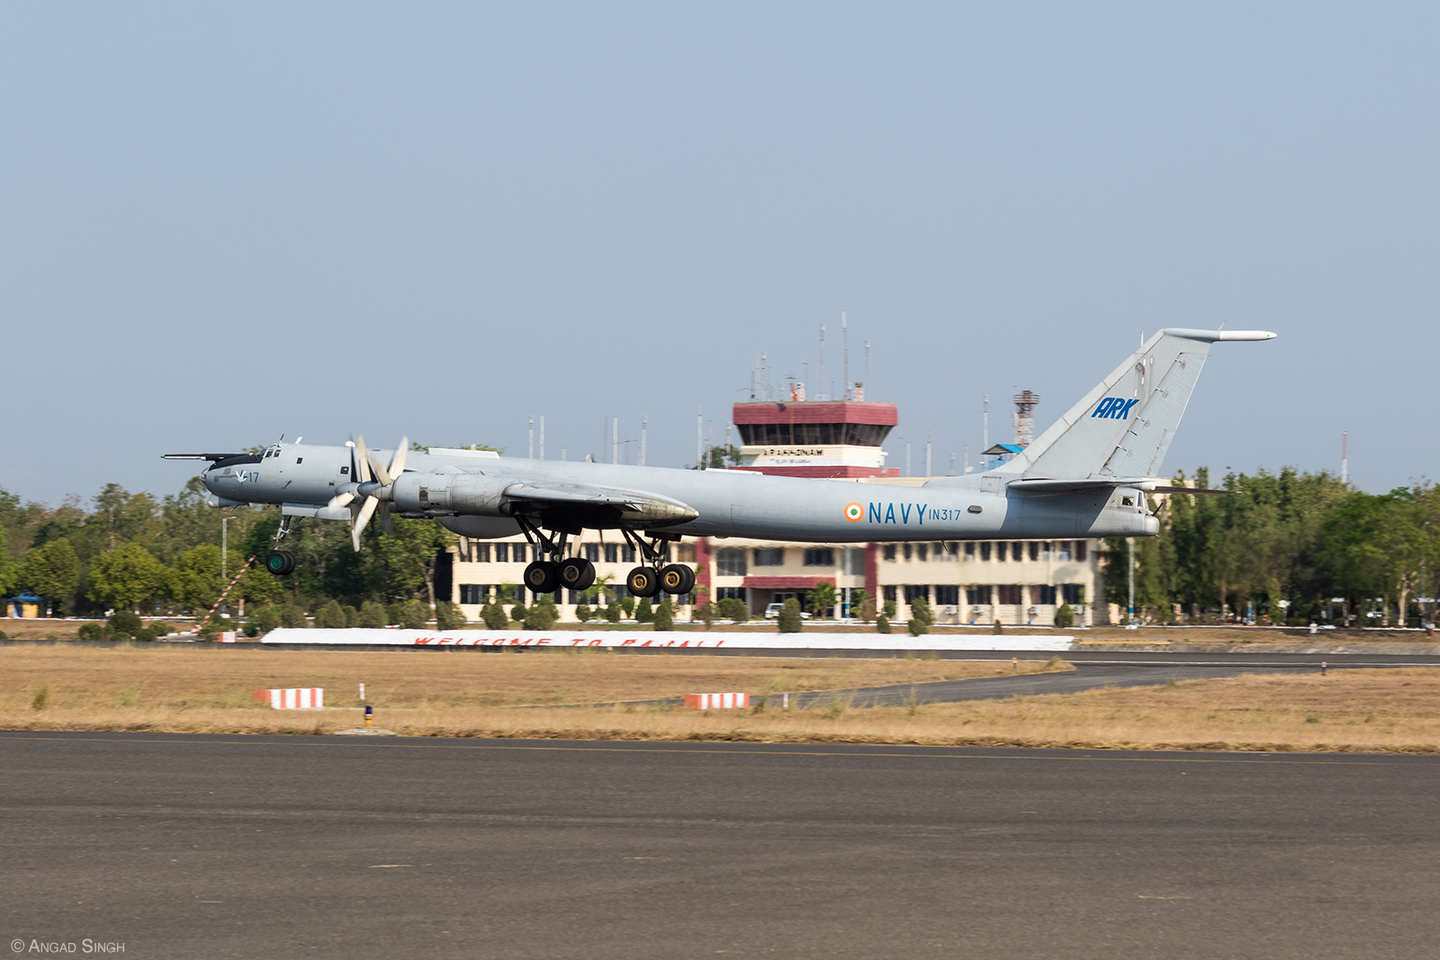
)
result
[(717, 701), (226, 636), (292, 698), (223, 594)]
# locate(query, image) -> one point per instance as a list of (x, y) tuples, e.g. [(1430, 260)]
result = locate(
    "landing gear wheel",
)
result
[(677, 578), (280, 562), (643, 582), (577, 574), (540, 577)]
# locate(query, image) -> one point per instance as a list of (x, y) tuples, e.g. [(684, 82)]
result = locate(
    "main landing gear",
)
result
[(547, 576), (281, 562), (646, 581), (576, 573)]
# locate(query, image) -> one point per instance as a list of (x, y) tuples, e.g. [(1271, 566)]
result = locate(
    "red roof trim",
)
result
[(787, 583), (846, 411)]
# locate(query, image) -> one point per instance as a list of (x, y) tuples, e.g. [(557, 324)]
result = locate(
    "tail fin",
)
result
[(1125, 425)]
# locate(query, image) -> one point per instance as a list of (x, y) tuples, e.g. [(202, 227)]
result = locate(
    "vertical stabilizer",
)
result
[(1124, 426)]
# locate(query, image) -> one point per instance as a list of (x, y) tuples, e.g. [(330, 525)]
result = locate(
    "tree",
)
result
[(413, 615), (449, 616), (372, 614), (862, 605), (126, 576), (665, 615), (820, 598), (9, 568), (494, 616), (52, 571), (1065, 616), (330, 616), (644, 612), (195, 580), (790, 620)]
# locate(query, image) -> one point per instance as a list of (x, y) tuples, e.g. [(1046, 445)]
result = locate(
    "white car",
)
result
[(772, 612)]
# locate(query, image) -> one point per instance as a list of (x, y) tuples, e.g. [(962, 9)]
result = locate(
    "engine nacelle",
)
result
[(443, 494)]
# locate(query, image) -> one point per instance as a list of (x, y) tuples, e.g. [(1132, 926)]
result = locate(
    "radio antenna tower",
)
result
[(1345, 457), (822, 361), (845, 345), (1025, 417)]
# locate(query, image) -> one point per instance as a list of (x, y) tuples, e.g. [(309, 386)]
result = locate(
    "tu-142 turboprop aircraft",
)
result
[(1086, 476)]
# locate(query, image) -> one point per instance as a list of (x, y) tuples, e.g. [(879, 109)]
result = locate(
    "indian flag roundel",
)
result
[(853, 512)]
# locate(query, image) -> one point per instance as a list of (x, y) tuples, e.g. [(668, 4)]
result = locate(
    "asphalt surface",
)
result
[(223, 846), (1090, 673)]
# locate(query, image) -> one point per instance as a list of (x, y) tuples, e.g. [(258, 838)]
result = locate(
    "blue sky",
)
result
[(221, 223)]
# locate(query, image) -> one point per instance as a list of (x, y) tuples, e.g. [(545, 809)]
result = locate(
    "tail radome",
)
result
[(1124, 426)]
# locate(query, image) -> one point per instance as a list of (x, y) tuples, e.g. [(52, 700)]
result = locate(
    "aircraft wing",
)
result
[(581, 499), (1147, 484)]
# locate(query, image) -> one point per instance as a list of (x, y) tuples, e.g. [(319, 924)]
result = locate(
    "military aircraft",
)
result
[(1086, 476)]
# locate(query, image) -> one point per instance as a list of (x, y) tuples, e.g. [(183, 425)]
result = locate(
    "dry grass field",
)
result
[(468, 694)]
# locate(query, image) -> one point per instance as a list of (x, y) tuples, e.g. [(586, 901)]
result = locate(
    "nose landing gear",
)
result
[(279, 562)]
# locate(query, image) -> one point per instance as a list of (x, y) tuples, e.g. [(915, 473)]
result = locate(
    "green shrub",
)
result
[(330, 616), (614, 613), (665, 615), (920, 610), (372, 614), (882, 624), (127, 623), (628, 605), (293, 615), (733, 608), (518, 612), (395, 613), (267, 618), (449, 616), (413, 615), (352, 616), (91, 631), (706, 612), (494, 616), (918, 627), (540, 616), (999, 627), (584, 614), (889, 609), (790, 620), (644, 613), (1065, 616)]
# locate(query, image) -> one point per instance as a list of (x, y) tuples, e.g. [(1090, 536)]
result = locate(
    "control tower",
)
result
[(815, 438)]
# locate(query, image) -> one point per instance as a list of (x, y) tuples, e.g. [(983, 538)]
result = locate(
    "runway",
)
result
[(186, 846)]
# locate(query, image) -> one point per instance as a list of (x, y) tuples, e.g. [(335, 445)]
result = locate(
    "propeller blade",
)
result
[(340, 499), (364, 462), (381, 474), (397, 462), (361, 520)]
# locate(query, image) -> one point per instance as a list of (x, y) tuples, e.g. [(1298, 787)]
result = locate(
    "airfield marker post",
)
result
[(369, 716)]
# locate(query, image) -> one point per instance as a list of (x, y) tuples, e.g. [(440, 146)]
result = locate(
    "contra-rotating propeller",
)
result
[(375, 486)]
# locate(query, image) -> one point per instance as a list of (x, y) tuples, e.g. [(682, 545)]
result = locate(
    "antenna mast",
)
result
[(845, 345), (1345, 457), (822, 360)]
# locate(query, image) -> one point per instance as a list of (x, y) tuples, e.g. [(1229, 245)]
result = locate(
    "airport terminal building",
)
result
[(1014, 581)]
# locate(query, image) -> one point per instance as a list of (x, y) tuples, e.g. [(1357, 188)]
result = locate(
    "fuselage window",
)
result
[(345, 471)]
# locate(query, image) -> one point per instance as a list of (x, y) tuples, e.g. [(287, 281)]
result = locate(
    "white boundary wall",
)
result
[(899, 642)]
